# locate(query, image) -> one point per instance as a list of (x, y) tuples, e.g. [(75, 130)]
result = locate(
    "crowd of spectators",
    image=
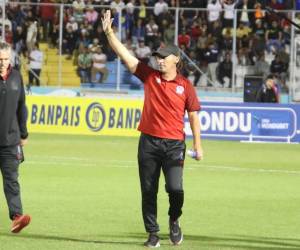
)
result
[(205, 35)]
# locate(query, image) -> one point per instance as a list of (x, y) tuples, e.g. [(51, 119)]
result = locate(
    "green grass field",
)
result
[(83, 193)]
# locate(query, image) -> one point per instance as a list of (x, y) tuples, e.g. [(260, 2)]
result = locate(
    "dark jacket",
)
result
[(13, 113), (225, 69), (267, 95), (211, 55), (278, 67)]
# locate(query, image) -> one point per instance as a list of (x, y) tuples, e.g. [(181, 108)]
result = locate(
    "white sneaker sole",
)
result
[(156, 246), (177, 243)]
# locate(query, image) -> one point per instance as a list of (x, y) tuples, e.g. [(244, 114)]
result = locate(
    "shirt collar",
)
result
[(176, 79)]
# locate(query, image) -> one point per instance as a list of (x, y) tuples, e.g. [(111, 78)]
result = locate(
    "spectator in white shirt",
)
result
[(142, 51), (78, 10), (78, 5), (72, 23), (160, 7), (228, 6), (31, 37), (152, 33), (245, 18), (117, 4), (214, 9), (35, 65), (130, 7), (99, 65)]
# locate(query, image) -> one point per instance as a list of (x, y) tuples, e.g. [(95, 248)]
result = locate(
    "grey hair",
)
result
[(5, 46)]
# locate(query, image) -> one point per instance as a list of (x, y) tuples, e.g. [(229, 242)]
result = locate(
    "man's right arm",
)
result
[(130, 61)]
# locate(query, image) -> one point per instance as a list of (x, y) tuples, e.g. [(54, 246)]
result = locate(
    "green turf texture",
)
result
[(83, 193)]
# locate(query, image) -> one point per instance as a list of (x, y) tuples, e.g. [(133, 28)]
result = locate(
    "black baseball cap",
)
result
[(166, 51)]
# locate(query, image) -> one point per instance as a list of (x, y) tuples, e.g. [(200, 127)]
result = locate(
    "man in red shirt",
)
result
[(161, 146), (47, 13)]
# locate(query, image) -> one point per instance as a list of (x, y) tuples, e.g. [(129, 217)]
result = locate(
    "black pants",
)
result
[(155, 154), (9, 165)]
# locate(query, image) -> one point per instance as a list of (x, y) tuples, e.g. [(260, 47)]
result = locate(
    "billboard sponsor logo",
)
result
[(268, 124), (98, 118), (241, 121), (95, 117), (225, 121), (127, 118), (62, 115)]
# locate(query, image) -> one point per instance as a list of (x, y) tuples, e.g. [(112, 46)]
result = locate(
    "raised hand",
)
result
[(107, 21)]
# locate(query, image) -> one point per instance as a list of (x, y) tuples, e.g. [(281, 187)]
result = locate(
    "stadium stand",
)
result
[(50, 70), (198, 29)]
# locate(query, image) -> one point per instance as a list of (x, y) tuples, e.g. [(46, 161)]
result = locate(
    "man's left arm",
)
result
[(22, 116), (195, 126)]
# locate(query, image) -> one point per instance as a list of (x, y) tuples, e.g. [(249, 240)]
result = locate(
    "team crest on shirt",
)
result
[(158, 80), (179, 90)]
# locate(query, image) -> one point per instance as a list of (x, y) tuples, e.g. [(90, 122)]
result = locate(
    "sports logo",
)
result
[(179, 90), (95, 117)]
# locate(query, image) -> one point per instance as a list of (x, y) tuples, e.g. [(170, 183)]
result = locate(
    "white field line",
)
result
[(77, 161)]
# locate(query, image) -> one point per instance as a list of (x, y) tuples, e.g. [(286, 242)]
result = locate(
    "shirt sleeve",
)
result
[(192, 103), (143, 71), (22, 112)]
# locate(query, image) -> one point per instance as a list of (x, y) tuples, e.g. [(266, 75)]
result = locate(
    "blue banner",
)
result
[(249, 121)]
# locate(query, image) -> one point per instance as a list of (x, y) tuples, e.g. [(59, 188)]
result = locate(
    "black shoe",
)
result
[(176, 236), (153, 241)]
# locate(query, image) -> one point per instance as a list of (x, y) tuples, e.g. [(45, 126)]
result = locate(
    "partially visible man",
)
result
[(269, 91), (84, 65), (13, 136)]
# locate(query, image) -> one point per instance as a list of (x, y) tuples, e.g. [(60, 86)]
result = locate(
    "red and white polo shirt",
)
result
[(165, 103)]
